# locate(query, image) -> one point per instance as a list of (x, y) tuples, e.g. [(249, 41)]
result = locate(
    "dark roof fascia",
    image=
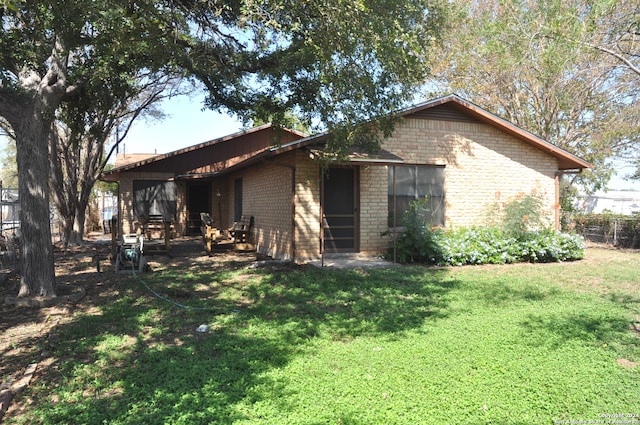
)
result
[(222, 139), (195, 176), (383, 157), (566, 160), (269, 153), (298, 144)]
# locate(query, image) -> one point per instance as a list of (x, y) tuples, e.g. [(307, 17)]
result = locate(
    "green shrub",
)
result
[(550, 246), (416, 242), (475, 245), (520, 214), (520, 237), (491, 245)]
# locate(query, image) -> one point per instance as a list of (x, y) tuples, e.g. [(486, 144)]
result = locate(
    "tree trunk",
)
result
[(66, 230), (77, 235), (36, 253)]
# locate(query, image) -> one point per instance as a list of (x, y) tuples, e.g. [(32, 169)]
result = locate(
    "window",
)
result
[(154, 197), (416, 182)]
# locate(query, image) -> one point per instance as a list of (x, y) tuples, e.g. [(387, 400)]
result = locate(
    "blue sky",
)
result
[(619, 181), (186, 124)]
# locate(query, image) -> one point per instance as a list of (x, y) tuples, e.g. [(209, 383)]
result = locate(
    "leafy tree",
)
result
[(252, 55), (521, 59), (81, 132), (288, 119), (614, 31)]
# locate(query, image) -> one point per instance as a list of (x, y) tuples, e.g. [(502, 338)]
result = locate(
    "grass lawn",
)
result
[(514, 344)]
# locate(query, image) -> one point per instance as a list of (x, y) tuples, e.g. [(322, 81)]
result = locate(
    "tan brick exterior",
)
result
[(307, 205), (373, 208), (483, 166), (268, 190), (267, 196)]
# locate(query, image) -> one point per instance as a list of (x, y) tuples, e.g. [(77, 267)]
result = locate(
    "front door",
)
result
[(199, 200), (340, 210)]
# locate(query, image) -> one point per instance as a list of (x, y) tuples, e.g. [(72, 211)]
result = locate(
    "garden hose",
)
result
[(170, 301)]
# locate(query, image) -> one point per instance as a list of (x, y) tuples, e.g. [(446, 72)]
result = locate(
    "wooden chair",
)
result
[(241, 230), (210, 234)]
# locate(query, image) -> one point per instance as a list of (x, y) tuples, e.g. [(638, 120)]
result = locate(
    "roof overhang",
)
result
[(566, 160), (356, 156), (193, 153)]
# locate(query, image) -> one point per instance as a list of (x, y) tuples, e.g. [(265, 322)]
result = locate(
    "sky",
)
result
[(186, 124), (619, 182)]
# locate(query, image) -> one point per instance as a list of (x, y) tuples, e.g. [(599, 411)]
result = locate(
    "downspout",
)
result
[(293, 209), (395, 220), (293, 212), (557, 201)]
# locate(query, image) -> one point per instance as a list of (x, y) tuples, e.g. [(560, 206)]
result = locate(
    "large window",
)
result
[(154, 197), (408, 183)]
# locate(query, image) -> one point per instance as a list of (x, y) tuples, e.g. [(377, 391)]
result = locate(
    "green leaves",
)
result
[(314, 60), (534, 64), (518, 234), (309, 56)]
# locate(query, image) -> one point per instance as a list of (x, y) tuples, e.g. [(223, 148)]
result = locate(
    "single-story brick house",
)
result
[(463, 157)]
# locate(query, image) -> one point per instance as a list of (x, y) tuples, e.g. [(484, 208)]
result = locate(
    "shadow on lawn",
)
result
[(498, 293), (595, 328), (348, 304), (141, 361)]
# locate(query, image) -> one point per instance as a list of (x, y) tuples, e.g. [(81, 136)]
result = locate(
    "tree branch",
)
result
[(616, 55)]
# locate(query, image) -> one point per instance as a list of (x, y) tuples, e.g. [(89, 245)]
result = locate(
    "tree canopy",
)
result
[(535, 63), (335, 63)]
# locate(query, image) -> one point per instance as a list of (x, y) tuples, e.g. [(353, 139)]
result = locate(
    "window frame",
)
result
[(146, 199), (416, 174)]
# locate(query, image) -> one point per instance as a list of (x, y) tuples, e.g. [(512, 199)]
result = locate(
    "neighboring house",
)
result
[(615, 201), (463, 158)]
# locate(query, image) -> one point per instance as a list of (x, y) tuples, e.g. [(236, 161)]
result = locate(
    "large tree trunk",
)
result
[(36, 254)]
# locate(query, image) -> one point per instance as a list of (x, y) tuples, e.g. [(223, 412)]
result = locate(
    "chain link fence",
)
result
[(619, 231)]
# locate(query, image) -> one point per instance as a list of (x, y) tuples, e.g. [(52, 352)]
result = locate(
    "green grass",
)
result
[(516, 344)]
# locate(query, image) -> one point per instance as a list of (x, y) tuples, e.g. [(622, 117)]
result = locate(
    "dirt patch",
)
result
[(627, 364)]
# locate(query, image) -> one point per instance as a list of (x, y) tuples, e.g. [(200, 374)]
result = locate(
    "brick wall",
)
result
[(267, 195), (373, 208), (307, 210)]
